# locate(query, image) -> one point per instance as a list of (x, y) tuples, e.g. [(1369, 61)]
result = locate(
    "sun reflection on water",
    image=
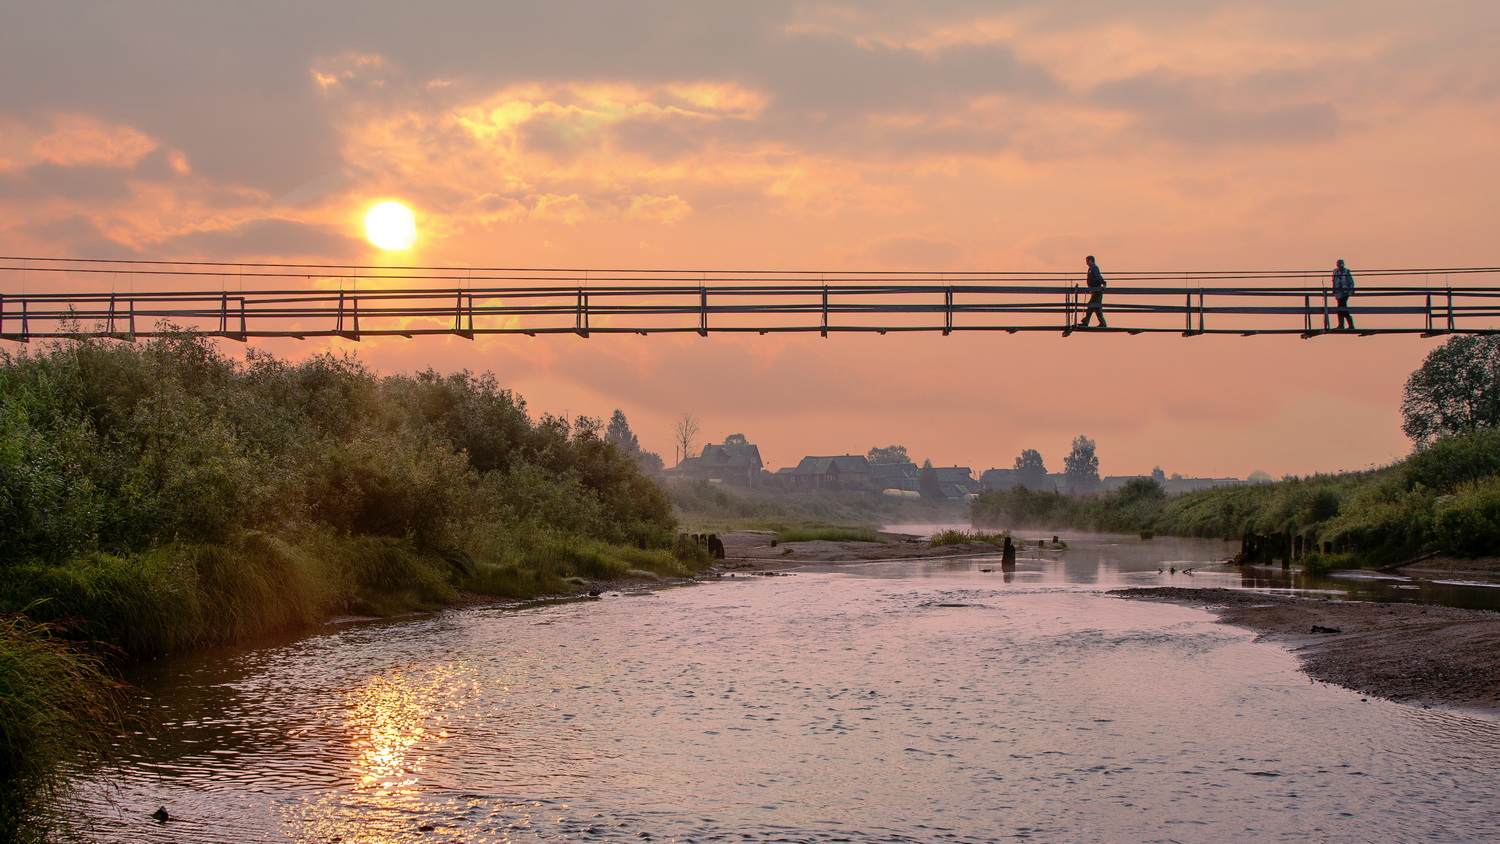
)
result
[(394, 720)]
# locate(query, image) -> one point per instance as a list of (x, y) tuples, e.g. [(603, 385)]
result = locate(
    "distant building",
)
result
[(893, 476), (736, 464), (837, 472), (956, 482)]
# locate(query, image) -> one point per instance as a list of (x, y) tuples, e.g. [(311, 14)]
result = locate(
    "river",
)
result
[(934, 701)]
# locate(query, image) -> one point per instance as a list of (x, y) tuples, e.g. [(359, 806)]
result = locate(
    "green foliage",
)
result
[(58, 703), (1456, 390), (1082, 465), (1451, 462), (1467, 522), (1030, 471), (888, 454), (964, 537)]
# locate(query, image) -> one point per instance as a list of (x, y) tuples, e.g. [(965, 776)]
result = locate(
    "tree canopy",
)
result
[(1082, 465), (1031, 472), (889, 454), (1457, 389)]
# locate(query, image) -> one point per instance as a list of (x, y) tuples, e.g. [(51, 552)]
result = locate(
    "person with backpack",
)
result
[(1343, 288), (1096, 301)]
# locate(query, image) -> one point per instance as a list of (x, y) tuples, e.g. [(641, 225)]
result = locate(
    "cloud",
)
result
[(276, 238)]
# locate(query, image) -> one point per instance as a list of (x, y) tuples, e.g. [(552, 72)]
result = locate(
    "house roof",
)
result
[(834, 464)]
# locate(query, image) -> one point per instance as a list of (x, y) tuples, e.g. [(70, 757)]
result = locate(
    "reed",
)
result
[(59, 704), (964, 537)]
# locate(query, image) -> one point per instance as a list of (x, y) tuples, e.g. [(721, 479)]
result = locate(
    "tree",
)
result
[(1456, 389), (736, 439), (624, 439), (685, 433), (927, 482), (1142, 489), (1082, 465), (620, 434), (1030, 471), (1158, 475), (889, 454)]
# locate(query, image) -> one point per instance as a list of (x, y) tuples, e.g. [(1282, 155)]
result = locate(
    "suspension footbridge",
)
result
[(44, 298)]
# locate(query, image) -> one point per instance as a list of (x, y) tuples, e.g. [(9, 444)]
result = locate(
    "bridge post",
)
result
[(1450, 309), (825, 310), (354, 312), (458, 317), (581, 319), (948, 311), (703, 311), (1429, 313), (224, 320)]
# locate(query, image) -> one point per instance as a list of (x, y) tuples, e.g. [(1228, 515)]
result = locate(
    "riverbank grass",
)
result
[(827, 534), (58, 703), (965, 537)]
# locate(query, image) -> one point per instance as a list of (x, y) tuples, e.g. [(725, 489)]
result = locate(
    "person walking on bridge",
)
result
[(1096, 301), (1343, 288)]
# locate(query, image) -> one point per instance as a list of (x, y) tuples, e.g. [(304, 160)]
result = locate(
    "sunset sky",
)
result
[(874, 135)]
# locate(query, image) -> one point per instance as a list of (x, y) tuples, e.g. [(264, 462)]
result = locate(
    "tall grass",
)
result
[(827, 534), (58, 701), (964, 537)]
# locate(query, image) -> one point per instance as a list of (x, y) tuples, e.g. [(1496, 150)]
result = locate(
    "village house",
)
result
[(838, 472), (724, 463)]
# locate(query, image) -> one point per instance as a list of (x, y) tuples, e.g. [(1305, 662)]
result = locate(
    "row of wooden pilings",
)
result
[(1267, 548), (710, 541)]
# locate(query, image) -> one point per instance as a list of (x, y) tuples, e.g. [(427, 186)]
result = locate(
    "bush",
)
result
[(1467, 523)]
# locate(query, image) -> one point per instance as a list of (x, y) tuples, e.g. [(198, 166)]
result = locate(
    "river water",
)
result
[(932, 701)]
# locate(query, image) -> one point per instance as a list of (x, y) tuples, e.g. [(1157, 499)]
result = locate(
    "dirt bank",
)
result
[(1404, 652)]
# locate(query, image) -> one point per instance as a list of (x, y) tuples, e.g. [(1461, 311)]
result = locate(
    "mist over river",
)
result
[(926, 701)]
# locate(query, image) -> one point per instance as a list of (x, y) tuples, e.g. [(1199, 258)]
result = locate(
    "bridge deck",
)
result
[(52, 298)]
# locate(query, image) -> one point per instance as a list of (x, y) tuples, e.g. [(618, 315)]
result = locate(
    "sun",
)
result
[(391, 225)]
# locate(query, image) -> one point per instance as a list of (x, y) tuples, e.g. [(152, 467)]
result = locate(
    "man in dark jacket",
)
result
[(1343, 288), (1096, 284)]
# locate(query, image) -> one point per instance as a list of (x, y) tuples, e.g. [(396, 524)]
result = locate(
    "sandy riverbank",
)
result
[(1406, 652)]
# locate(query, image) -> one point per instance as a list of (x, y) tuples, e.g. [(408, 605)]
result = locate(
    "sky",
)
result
[(1161, 135)]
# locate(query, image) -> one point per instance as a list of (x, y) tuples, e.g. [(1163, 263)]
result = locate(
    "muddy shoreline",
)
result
[(1412, 653)]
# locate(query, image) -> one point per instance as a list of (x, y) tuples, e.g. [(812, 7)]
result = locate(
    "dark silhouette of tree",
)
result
[(736, 439), (620, 434), (685, 433), (1158, 475), (1030, 471), (624, 439), (889, 454), (1082, 465), (1457, 389), (927, 482)]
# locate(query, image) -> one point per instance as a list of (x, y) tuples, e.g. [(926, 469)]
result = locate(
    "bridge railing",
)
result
[(48, 298)]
